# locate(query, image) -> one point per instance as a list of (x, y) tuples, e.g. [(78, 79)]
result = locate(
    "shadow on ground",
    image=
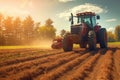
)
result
[(98, 50)]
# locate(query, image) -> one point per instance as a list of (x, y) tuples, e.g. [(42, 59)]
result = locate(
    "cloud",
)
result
[(25, 3), (65, 1), (83, 8), (111, 20)]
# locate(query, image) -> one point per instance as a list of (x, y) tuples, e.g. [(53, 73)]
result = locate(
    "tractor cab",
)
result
[(83, 21), (88, 18)]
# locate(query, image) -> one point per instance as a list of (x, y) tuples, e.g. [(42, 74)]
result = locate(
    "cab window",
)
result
[(93, 20)]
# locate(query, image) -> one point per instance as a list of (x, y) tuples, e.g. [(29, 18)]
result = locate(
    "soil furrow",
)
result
[(24, 59), (81, 72), (16, 51), (116, 67), (43, 68), (94, 72), (62, 69), (105, 69), (27, 65), (80, 64)]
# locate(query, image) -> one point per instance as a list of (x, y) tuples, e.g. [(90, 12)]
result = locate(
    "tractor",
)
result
[(85, 32)]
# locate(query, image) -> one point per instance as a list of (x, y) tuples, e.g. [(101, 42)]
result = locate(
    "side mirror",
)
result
[(71, 19), (98, 17)]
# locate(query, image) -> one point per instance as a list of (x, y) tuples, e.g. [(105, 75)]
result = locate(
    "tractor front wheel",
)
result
[(83, 44), (67, 44), (92, 40)]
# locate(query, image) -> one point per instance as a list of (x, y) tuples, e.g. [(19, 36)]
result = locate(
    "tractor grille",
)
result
[(75, 29)]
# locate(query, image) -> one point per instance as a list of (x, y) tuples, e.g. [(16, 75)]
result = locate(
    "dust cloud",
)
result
[(43, 44)]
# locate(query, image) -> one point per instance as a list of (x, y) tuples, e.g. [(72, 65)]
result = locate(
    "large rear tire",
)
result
[(103, 38), (67, 44), (92, 40)]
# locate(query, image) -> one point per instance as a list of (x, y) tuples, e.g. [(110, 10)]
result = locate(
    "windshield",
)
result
[(89, 20), (93, 20), (85, 19)]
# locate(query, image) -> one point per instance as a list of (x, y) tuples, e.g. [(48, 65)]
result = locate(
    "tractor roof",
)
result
[(85, 13)]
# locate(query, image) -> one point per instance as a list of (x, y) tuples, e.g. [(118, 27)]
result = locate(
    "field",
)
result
[(47, 64)]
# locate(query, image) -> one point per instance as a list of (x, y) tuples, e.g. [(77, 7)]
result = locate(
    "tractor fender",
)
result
[(97, 28)]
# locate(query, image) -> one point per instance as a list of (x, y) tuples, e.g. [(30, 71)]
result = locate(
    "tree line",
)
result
[(112, 37), (14, 31)]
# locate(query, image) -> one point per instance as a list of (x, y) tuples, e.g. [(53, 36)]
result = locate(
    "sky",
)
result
[(59, 11)]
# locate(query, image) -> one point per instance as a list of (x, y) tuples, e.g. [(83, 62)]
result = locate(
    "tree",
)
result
[(62, 33), (8, 24), (1, 19), (15, 31), (37, 24), (18, 30), (28, 27), (48, 23), (9, 30), (2, 39), (28, 24), (36, 27), (17, 24), (117, 32), (47, 31), (111, 36), (36, 30)]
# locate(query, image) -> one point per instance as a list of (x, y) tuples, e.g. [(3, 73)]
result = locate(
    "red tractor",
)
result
[(85, 32)]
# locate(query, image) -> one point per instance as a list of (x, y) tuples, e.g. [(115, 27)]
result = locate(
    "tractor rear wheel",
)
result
[(103, 38), (67, 44), (92, 40)]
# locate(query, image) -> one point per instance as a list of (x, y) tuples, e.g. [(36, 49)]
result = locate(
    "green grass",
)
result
[(18, 47), (113, 43), (22, 47), (109, 43)]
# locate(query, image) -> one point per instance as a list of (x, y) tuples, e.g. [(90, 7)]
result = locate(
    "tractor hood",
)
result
[(75, 29), (76, 25)]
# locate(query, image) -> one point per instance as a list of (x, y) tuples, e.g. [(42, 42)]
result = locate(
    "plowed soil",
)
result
[(79, 64)]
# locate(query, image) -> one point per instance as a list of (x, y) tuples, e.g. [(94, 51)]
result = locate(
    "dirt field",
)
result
[(80, 64)]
